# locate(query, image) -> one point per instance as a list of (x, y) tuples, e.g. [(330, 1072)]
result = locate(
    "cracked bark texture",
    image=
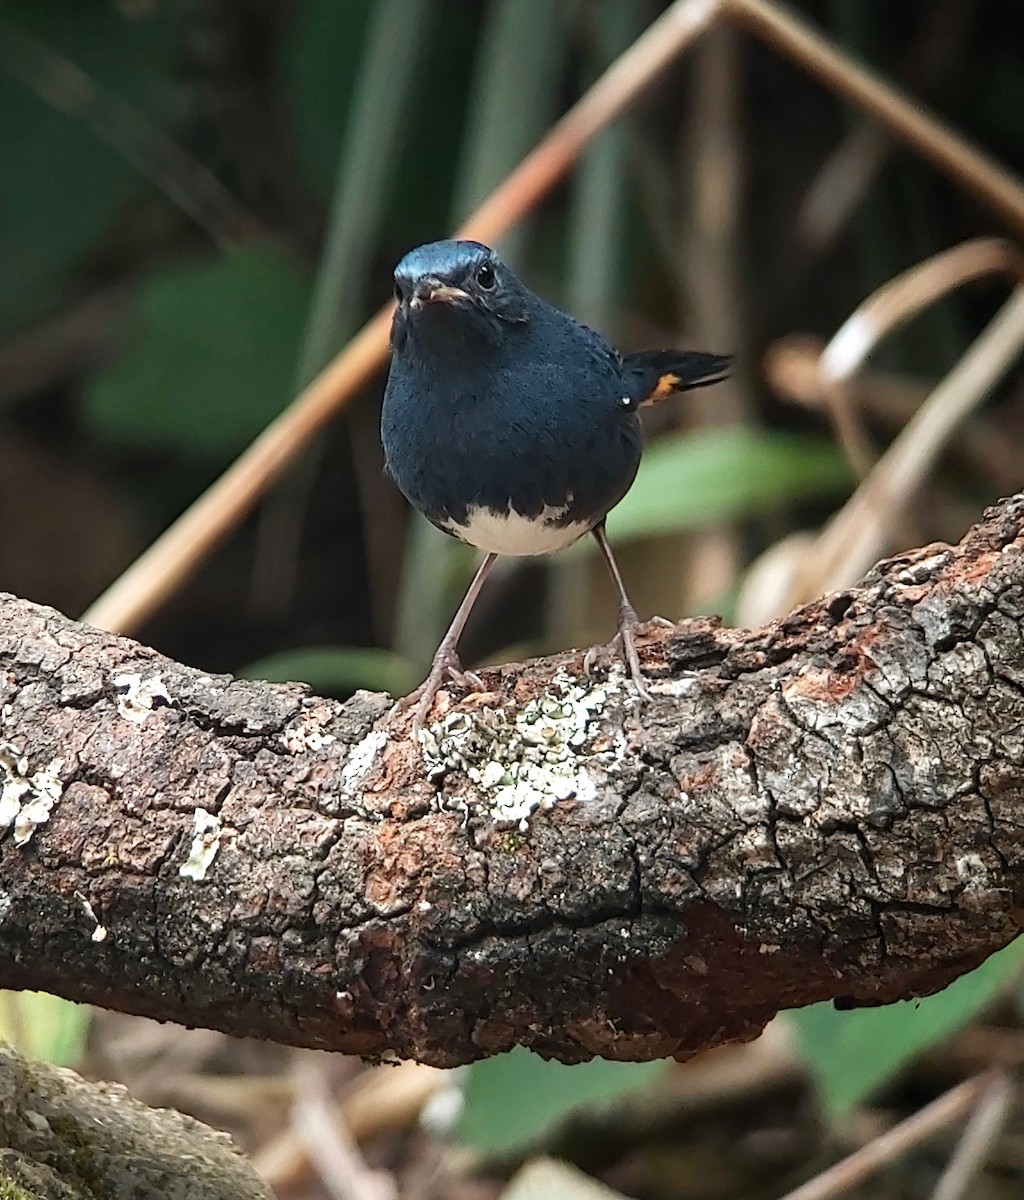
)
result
[(828, 807)]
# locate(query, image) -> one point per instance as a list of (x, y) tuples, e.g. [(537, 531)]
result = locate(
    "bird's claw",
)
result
[(622, 645), (469, 680), (627, 640), (446, 668)]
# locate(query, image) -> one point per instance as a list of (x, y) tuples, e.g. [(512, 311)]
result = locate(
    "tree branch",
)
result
[(829, 807)]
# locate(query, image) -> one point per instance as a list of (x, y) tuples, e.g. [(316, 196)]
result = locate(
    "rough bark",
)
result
[(829, 807)]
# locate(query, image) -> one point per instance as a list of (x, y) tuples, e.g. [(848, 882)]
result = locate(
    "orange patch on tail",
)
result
[(665, 386)]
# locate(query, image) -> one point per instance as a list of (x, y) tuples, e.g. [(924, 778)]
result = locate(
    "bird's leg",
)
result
[(628, 620), (446, 665)]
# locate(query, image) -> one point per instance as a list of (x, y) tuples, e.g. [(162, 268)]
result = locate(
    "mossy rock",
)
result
[(66, 1139)]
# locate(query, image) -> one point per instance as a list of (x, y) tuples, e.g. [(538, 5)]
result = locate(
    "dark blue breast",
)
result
[(527, 416)]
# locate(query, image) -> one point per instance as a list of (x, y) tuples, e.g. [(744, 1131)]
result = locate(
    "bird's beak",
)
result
[(433, 291)]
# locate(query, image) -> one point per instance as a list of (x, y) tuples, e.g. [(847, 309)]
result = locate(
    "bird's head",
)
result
[(465, 284)]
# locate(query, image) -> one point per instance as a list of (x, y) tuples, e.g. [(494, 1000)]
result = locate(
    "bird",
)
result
[(512, 426)]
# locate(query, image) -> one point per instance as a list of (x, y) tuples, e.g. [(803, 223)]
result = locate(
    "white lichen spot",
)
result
[(922, 570), (99, 932), (972, 872), (492, 775), (522, 760), (301, 736), (26, 801), (360, 759), (137, 697), (686, 683), (5, 904), (205, 844)]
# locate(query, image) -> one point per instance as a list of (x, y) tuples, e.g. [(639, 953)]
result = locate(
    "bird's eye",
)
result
[(399, 292), (485, 277)]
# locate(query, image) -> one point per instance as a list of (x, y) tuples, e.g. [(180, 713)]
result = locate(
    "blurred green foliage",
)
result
[(321, 60), (687, 480), (212, 355), (511, 1100), (337, 670), (43, 1026), (63, 188), (852, 1054)]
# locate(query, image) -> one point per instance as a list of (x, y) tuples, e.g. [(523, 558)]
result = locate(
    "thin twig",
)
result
[(382, 1101), (984, 1127), (368, 160), (791, 370), (708, 235), (179, 551), (849, 170), (979, 175), (857, 534), (902, 298), (915, 1130), (891, 306), (630, 75), (334, 1154)]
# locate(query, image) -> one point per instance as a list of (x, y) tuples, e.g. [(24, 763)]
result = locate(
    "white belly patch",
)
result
[(510, 533)]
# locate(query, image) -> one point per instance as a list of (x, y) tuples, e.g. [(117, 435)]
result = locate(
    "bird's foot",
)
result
[(446, 668), (623, 646)]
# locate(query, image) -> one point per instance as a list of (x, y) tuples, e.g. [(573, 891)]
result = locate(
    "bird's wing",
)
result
[(653, 375)]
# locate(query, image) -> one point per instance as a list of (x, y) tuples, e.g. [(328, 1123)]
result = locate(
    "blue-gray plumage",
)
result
[(510, 425)]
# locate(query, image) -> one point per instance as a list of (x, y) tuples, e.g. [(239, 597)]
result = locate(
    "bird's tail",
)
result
[(653, 375)]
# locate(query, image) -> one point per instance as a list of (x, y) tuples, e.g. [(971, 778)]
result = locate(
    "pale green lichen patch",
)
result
[(207, 832), (524, 759), (26, 801), (137, 697)]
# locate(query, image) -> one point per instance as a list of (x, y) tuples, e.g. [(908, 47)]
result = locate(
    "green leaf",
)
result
[(336, 670), (511, 1100), (547, 1179), (44, 1026), (213, 358), (62, 186), (690, 479), (851, 1054)]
